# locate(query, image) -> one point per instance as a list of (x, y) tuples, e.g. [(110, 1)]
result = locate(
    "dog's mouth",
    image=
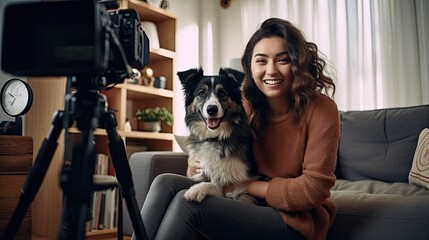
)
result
[(212, 123)]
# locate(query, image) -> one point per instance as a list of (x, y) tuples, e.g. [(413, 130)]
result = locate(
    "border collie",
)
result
[(219, 134)]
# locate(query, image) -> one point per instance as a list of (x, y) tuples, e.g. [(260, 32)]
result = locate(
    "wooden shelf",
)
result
[(151, 13), (136, 92), (133, 134), (148, 135), (124, 99), (161, 54)]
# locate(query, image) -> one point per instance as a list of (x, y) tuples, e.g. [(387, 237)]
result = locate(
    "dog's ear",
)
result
[(188, 79), (189, 76), (235, 84), (232, 73)]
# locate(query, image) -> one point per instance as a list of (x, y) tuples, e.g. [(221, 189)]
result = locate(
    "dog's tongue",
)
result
[(213, 122)]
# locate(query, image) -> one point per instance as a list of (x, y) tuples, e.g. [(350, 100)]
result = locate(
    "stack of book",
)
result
[(104, 203)]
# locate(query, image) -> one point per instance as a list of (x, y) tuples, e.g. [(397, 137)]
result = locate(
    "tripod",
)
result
[(87, 108)]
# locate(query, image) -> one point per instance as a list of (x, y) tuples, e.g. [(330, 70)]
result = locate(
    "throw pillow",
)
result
[(181, 140), (419, 174)]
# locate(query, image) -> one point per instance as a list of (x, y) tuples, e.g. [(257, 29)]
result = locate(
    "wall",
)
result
[(207, 36), (231, 41)]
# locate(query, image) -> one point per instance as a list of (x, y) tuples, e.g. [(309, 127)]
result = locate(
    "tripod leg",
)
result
[(35, 176), (123, 173), (76, 182)]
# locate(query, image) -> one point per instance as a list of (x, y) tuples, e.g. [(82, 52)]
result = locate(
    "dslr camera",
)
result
[(73, 38)]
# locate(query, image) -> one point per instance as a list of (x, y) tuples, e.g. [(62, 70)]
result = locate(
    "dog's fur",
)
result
[(219, 134)]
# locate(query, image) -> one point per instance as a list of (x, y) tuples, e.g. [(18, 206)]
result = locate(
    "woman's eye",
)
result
[(260, 60), (285, 60)]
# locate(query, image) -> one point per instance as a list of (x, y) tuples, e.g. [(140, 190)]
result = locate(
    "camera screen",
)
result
[(52, 39)]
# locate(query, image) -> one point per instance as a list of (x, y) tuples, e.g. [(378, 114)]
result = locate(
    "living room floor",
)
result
[(38, 237)]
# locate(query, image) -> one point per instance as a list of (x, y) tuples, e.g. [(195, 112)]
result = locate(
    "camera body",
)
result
[(72, 38), (126, 24)]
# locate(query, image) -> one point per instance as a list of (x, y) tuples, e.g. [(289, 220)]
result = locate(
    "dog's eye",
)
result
[(201, 93), (222, 94)]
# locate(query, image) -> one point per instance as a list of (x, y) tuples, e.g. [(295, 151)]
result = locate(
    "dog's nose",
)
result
[(212, 109)]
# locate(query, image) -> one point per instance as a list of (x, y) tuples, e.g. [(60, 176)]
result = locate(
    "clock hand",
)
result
[(11, 95)]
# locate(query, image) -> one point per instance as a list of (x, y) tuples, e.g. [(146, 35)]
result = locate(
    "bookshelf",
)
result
[(125, 99)]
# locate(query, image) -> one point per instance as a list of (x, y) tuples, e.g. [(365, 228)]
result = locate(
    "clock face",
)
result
[(16, 97)]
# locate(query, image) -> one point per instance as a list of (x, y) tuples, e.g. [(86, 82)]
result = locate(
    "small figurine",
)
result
[(147, 77), (127, 127)]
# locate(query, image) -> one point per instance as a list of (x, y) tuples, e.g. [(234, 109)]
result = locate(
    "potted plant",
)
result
[(152, 118)]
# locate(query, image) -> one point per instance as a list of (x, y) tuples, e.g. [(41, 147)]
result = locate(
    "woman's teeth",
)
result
[(272, 82)]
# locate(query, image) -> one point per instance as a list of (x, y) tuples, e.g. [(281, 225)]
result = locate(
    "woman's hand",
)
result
[(254, 188), (194, 167)]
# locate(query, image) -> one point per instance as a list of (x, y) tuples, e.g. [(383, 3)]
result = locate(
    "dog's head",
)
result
[(213, 103)]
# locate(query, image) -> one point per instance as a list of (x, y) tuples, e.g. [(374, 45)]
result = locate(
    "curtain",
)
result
[(379, 49)]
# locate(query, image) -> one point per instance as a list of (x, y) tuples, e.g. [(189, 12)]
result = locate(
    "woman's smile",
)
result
[(273, 81)]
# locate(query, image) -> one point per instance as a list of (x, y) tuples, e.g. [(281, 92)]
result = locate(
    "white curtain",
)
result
[(378, 48)]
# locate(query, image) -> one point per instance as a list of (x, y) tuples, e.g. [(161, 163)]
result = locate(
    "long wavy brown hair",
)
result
[(308, 77)]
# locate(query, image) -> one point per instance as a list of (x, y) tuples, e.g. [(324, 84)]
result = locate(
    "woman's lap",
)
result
[(168, 215)]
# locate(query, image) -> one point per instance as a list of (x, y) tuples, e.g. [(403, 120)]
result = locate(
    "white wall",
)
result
[(207, 36), (231, 42)]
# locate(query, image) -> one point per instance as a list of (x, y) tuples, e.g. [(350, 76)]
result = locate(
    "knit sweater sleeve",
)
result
[(312, 186)]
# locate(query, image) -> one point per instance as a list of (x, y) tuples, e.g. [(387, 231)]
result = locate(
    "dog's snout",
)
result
[(212, 109)]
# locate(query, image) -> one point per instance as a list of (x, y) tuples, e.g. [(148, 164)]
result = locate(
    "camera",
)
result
[(73, 38)]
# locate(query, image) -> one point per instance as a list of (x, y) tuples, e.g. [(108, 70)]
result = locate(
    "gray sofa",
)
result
[(374, 198)]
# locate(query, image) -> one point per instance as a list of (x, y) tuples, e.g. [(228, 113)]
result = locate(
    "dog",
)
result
[(220, 137)]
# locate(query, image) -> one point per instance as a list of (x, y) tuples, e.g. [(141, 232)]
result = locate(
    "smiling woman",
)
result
[(374, 46), (284, 88)]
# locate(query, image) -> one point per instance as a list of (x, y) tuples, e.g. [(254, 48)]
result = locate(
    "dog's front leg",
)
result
[(199, 177), (240, 194), (199, 191)]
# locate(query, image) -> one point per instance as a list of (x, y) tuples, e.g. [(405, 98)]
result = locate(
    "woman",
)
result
[(296, 131)]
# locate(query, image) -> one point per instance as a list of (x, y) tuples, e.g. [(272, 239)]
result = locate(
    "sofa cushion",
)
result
[(380, 144), (419, 173), (370, 209)]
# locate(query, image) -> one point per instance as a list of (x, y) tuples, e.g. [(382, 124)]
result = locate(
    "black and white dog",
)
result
[(219, 135)]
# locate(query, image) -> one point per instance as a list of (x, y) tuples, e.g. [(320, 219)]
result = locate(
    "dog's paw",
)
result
[(195, 195), (240, 194), (198, 177), (198, 192), (247, 199)]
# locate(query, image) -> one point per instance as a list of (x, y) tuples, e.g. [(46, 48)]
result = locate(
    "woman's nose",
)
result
[(272, 69)]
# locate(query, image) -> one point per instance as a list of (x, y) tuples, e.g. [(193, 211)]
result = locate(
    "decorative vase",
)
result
[(152, 126)]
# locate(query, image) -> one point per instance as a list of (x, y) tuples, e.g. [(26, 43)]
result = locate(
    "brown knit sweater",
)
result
[(300, 159)]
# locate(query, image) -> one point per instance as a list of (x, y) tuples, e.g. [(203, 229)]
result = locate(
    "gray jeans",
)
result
[(168, 215)]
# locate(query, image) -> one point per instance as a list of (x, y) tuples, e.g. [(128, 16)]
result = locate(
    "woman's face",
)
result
[(271, 68)]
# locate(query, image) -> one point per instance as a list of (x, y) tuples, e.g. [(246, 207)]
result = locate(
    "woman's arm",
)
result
[(257, 189)]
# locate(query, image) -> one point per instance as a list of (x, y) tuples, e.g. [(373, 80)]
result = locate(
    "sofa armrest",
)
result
[(145, 166)]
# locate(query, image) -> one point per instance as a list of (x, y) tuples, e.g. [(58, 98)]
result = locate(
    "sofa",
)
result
[(373, 192)]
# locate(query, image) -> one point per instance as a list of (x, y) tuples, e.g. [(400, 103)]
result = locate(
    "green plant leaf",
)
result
[(155, 114)]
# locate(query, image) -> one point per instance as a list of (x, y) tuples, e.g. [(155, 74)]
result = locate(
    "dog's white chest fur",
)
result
[(220, 166)]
